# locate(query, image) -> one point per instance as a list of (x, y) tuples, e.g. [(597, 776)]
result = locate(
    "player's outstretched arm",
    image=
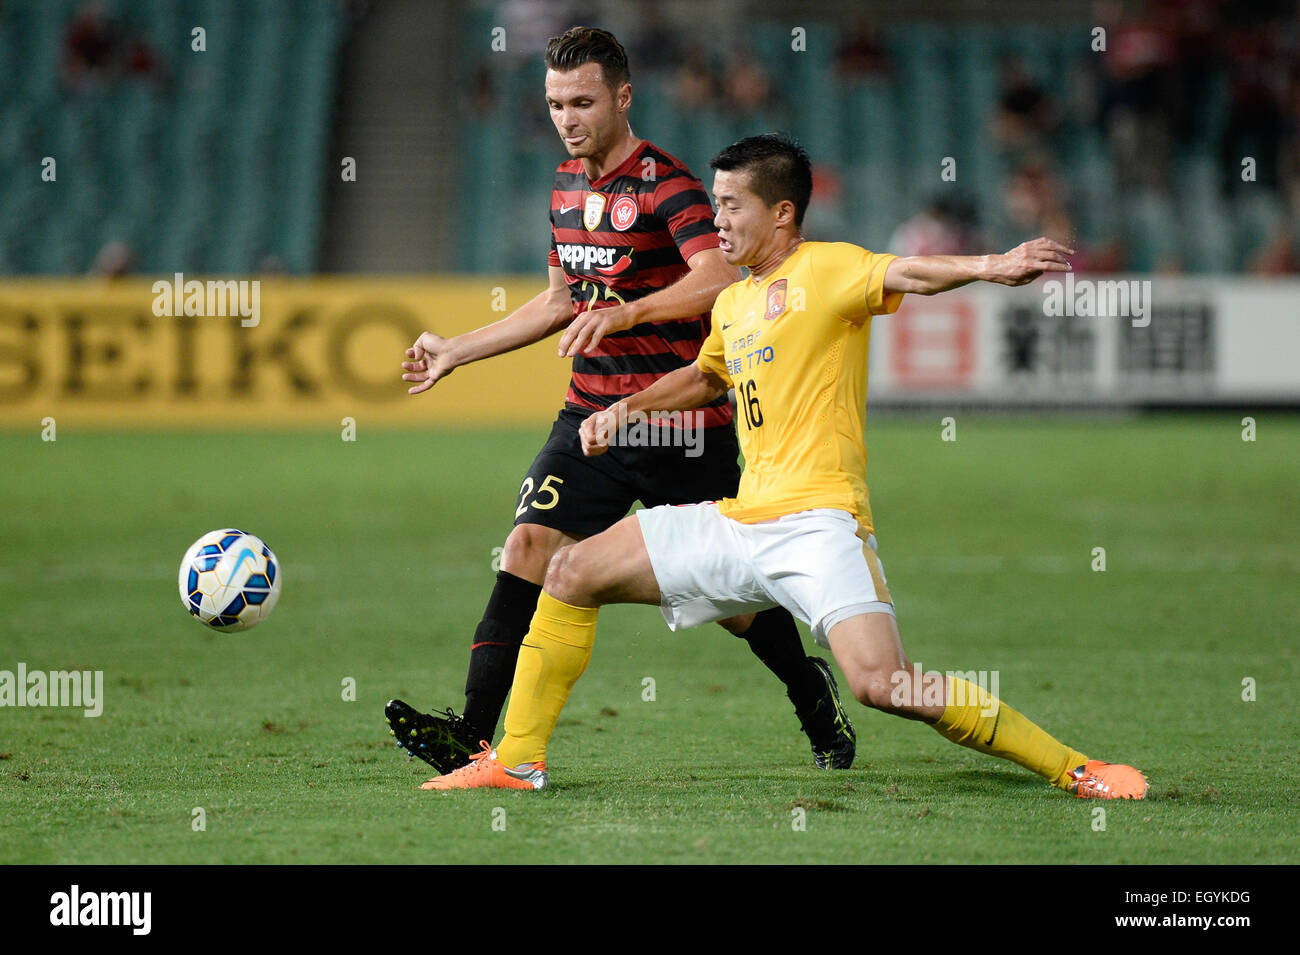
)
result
[(679, 390), (433, 357), (929, 274), (690, 295)]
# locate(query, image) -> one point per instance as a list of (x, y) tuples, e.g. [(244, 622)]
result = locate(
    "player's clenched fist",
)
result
[(428, 360), (597, 431)]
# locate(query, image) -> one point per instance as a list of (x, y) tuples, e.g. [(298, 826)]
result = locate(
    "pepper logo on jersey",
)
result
[(581, 259), (623, 213), (591, 211), (775, 300)]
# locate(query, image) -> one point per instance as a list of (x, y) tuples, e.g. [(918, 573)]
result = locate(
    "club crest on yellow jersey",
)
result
[(775, 300)]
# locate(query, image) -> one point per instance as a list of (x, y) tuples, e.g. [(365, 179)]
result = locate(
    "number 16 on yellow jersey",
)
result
[(747, 399)]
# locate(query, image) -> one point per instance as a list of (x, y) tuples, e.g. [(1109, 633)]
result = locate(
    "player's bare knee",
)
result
[(565, 578), (558, 575), (873, 688), (739, 625), (527, 551)]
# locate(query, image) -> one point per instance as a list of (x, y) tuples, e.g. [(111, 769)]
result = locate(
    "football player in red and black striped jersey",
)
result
[(634, 270)]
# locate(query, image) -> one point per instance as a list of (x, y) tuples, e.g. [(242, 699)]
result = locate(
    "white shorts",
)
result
[(821, 565)]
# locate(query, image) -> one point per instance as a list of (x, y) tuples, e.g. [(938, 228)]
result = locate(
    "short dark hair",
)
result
[(579, 45), (778, 167)]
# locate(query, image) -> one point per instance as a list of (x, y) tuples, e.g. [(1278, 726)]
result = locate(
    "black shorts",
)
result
[(582, 496)]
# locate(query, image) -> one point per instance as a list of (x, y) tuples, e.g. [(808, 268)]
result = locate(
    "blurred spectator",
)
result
[(90, 46), (530, 23), (1036, 202), (746, 88), (1139, 72), (97, 51), (653, 44), (482, 91), (861, 55), (1279, 255), (114, 260), (1031, 195), (694, 85), (1254, 112), (1289, 152), (946, 226), (272, 265), (141, 61), (1025, 116), (1196, 64), (827, 215)]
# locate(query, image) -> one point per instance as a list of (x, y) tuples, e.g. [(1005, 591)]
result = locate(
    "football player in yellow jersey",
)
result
[(792, 340)]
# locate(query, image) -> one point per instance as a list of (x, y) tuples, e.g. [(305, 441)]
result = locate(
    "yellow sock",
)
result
[(554, 654), (975, 718)]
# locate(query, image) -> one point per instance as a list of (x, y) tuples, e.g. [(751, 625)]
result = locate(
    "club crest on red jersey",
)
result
[(623, 213), (775, 300)]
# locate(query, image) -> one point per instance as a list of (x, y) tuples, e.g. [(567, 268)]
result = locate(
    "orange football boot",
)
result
[(485, 771), (1098, 780)]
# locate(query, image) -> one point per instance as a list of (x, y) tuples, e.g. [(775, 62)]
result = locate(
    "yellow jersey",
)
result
[(794, 346)]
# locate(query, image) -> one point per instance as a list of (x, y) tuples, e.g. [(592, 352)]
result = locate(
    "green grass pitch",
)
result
[(386, 546)]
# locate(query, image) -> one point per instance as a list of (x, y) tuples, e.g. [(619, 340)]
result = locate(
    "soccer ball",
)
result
[(230, 580)]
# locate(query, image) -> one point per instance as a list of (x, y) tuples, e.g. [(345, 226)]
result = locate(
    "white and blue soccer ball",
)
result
[(230, 580)]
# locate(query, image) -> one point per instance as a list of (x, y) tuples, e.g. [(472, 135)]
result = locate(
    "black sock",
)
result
[(496, 649), (775, 640)]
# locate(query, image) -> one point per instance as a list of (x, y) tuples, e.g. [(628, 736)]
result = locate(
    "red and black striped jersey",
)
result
[(618, 239)]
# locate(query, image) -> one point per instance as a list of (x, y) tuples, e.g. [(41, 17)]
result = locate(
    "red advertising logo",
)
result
[(933, 344)]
